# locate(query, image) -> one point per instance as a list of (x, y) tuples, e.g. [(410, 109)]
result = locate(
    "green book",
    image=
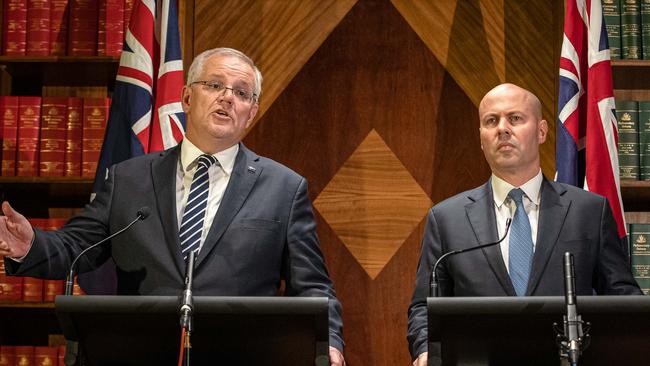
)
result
[(631, 29), (644, 140), (627, 115), (612, 15), (645, 28), (640, 255)]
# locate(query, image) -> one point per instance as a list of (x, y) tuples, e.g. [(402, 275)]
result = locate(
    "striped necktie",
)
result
[(197, 201), (520, 245)]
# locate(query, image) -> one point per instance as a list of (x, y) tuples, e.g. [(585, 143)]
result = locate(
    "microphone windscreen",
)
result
[(144, 212)]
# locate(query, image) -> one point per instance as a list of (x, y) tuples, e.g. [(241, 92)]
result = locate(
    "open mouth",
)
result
[(222, 113)]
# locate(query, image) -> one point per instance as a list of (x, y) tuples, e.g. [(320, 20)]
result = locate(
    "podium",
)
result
[(145, 330), (519, 330)]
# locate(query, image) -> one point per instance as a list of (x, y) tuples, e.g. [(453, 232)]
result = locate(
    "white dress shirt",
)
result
[(219, 178), (504, 207)]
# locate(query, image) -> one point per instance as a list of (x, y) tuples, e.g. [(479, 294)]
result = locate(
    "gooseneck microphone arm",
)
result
[(142, 214), (433, 286), (186, 310)]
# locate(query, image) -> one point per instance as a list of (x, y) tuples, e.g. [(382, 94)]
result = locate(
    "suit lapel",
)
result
[(552, 212), (244, 175), (163, 171), (483, 221)]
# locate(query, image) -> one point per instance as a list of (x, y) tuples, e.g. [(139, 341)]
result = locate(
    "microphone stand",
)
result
[(572, 339), (433, 286), (186, 313)]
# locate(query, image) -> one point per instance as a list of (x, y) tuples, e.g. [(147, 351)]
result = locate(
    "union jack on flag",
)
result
[(587, 135), (146, 113)]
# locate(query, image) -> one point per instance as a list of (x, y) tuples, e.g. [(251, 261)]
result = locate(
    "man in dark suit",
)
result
[(555, 218), (248, 218)]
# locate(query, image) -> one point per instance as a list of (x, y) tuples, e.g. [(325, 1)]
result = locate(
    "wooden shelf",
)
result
[(631, 75), (34, 196), (636, 195), (27, 305), (27, 324)]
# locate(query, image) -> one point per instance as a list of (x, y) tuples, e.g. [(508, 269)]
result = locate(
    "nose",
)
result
[(503, 127), (225, 96)]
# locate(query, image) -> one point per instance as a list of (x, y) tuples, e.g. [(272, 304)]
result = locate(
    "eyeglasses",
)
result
[(243, 95)]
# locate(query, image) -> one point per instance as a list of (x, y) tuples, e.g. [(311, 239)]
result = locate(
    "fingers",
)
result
[(8, 210), (336, 357)]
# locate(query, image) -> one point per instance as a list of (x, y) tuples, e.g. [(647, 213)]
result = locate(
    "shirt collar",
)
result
[(189, 154), (501, 188)]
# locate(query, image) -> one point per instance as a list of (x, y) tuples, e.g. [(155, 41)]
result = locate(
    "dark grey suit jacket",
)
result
[(570, 219), (264, 231)]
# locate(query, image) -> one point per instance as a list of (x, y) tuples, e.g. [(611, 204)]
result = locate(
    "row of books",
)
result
[(628, 28), (52, 136), (640, 254), (633, 139), (31, 355), (64, 27)]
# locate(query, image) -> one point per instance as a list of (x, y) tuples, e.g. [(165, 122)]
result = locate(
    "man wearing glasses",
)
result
[(248, 219)]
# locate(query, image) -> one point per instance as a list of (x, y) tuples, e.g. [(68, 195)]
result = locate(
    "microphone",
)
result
[(187, 304), (142, 214), (572, 321), (433, 286)]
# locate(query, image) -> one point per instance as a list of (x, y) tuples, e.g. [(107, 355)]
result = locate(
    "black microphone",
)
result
[(572, 321), (187, 304), (433, 286), (142, 214)]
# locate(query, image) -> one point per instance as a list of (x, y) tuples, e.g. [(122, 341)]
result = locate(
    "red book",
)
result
[(55, 223), (32, 289), (9, 111), (24, 355), (51, 289), (7, 355), (29, 123), (11, 288), (94, 125), (14, 28), (45, 356), (114, 27), (60, 356), (101, 28), (82, 31), (128, 8), (74, 135), (58, 27), (54, 121), (38, 27)]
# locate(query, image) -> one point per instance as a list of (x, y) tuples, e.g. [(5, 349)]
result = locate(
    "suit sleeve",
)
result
[(52, 252), (613, 274), (305, 271), (417, 313)]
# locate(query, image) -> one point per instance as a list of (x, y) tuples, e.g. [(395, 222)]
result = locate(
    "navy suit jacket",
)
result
[(570, 219), (264, 231)]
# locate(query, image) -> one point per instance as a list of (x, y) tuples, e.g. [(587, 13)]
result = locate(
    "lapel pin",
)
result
[(251, 169)]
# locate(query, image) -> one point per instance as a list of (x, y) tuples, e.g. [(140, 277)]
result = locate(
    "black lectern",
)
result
[(144, 330), (519, 330)]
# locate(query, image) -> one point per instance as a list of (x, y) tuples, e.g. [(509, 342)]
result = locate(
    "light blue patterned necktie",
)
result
[(197, 201), (520, 245)]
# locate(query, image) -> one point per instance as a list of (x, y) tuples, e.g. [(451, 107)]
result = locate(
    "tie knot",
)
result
[(206, 161), (517, 195)]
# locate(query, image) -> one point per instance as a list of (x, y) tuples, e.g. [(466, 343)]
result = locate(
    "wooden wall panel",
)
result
[(407, 73)]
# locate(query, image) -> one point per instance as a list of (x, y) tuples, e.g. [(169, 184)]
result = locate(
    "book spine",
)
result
[(82, 35), (640, 255), (7, 355), (32, 289), (24, 355), (29, 118), (9, 110), (94, 125), (38, 27), (627, 114), (11, 288), (60, 356), (51, 289), (53, 136), (14, 28), (73, 138), (644, 140), (114, 27), (128, 9), (45, 356), (631, 29), (612, 15), (58, 27)]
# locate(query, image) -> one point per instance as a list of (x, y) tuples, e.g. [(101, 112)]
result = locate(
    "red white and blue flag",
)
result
[(587, 135), (146, 113)]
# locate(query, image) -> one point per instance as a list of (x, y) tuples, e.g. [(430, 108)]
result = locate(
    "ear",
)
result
[(251, 115), (543, 131), (185, 98)]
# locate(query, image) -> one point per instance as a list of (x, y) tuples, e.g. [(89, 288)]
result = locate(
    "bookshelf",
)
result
[(27, 323)]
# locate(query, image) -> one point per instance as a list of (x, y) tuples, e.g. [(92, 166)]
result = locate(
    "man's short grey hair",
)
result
[(197, 66)]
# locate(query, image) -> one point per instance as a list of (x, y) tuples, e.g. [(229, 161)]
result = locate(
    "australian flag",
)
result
[(587, 135), (146, 113)]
